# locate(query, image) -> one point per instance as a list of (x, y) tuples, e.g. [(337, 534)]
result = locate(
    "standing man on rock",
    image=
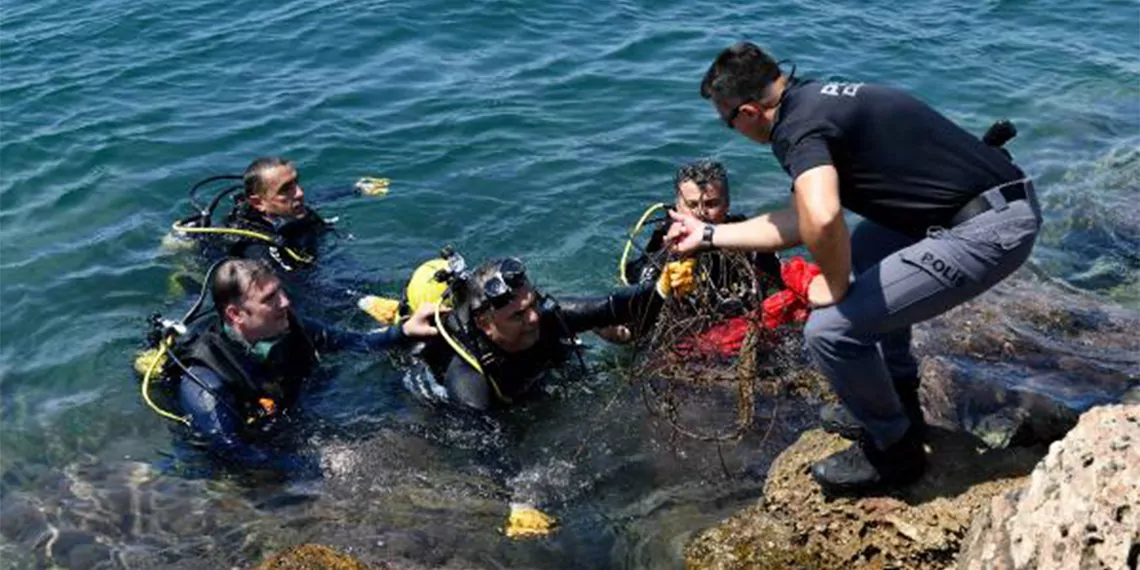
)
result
[(946, 218)]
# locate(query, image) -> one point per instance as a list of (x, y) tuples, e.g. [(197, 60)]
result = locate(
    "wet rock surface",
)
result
[(1002, 376), (919, 527), (1079, 507)]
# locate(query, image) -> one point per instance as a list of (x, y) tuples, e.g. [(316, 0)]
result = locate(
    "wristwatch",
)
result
[(707, 236)]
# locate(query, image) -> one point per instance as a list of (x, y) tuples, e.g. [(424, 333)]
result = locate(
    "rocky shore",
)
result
[(974, 509), (1003, 376)]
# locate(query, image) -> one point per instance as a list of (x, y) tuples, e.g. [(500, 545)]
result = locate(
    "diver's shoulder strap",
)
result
[(214, 351)]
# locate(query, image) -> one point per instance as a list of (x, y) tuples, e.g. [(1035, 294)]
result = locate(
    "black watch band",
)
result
[(707, 236)]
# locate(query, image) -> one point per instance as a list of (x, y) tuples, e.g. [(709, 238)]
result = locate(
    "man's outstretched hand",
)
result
[(685, 233), (421, 323)]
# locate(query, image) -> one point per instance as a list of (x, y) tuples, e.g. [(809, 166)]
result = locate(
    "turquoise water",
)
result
[(539, 129)]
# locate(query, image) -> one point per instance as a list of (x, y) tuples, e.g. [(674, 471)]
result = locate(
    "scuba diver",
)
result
[(228, 380), (269, 219), (700, 188), (503, 336)]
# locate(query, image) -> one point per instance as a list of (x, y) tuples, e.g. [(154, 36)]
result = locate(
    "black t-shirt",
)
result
[(901, 164)]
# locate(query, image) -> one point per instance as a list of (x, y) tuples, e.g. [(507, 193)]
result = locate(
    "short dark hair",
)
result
[(254, 176), (741, 71), (703, 173), (233, 277), (477, 283)]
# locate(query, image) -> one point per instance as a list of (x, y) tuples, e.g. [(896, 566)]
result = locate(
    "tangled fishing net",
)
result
[(739, 331)]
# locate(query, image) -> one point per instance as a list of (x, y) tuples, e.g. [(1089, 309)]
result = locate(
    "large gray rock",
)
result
[(1079, 508)]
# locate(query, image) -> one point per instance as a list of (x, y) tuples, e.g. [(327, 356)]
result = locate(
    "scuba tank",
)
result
[(159, 367)]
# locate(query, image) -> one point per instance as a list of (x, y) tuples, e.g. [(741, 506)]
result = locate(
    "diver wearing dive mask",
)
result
[(504, 336)]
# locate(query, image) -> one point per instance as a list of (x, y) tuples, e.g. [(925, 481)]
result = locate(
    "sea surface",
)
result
[(538, 129)]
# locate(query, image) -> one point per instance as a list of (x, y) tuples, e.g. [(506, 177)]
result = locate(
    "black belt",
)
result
[(980, 204)]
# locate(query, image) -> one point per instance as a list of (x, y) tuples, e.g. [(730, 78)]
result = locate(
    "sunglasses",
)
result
[(499, 289), (730, 118)]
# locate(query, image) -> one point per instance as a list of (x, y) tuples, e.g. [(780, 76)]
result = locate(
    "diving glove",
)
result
[(369, 186), (677, 279), (526, 521)]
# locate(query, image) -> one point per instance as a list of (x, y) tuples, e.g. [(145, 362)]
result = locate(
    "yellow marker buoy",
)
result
[(527, 522), (384, 310)]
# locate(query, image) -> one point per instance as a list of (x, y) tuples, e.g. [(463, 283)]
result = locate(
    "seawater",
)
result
[(537, 129)]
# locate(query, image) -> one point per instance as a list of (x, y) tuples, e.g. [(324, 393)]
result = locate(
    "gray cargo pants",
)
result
[(864, 340)]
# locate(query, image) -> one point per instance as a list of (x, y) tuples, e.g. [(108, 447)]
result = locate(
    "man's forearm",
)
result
[(769, 232), (327, 338), (624, 305), (822, 227), (830, 247)]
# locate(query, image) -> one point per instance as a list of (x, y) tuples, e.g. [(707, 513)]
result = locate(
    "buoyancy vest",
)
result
[(260, 388)]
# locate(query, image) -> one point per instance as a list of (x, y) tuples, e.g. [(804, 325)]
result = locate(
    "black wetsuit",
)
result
[(227, 396), (509, 377), (300, 235)]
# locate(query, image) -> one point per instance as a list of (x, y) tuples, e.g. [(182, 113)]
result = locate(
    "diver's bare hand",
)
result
[(685, 233), (422, 323)]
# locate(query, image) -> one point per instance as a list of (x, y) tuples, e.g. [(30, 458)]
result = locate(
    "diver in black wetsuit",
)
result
[(269, 220), (243, 371), (700, 188), (504, 337)]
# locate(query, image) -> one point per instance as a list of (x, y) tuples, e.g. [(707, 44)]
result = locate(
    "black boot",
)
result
[(863, 468), (836, 419)]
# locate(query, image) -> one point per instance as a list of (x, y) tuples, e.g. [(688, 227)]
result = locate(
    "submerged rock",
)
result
[(1078, 509), (320, 557), (311, 557), (1022, 362)]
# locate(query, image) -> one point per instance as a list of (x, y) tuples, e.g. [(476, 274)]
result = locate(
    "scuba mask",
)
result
[(498, 289)]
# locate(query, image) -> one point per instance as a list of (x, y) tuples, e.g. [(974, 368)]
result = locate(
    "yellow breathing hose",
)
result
[(163, 347), (466, 356), (298, 257), (633, 234)]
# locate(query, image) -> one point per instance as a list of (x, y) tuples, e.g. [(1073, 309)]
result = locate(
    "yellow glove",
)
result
[(145, 359), (386, 311), (527, 521), (677, 279), (369, 186)]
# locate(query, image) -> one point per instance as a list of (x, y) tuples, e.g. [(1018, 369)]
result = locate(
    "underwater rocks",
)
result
[(320, 557), (311, 557), (1078, 509)]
